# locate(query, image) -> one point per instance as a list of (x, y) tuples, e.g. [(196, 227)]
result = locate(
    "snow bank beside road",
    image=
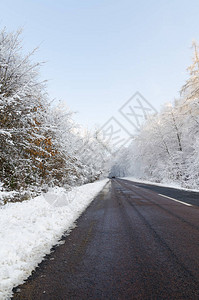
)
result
[(29, 229), (169, 185)]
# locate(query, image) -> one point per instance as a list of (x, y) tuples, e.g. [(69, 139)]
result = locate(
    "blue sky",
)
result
[(101, 52)]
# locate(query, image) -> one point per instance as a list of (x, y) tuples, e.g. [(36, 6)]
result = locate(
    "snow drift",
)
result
[(28, 230)]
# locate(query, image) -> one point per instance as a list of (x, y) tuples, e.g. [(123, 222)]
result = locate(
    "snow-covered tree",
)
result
[(39, 144), (22, 114), (166, 148)]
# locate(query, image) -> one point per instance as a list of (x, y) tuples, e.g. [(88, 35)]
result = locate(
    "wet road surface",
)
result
[(131, 243)]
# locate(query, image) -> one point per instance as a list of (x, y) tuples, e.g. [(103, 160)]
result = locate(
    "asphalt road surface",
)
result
[(131, 243)]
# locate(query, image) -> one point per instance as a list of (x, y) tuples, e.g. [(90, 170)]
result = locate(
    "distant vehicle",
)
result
[(113, 177)]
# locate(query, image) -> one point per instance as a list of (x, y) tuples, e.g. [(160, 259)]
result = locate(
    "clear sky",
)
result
[(100, 52)]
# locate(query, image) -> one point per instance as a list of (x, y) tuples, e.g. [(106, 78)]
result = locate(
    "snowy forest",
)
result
[(40, 145), (99, 150), (167, 147)]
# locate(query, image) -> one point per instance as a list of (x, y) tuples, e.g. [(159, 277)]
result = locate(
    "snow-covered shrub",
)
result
[(39, 143)]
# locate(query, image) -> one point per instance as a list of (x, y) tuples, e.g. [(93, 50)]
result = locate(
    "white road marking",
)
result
[(134, 186), (175, 200)]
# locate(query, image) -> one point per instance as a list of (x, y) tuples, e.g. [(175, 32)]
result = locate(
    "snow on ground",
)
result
[(29, 229), (170, 185), (6, 195)]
